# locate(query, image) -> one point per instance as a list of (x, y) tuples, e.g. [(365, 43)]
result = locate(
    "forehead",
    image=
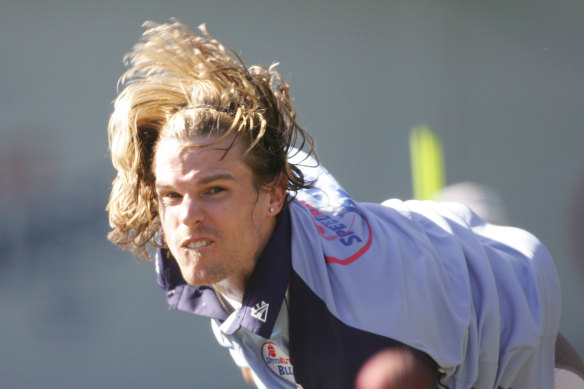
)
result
[(197, 155)]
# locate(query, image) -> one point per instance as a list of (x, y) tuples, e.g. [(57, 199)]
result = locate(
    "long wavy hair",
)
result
[(179, 84)]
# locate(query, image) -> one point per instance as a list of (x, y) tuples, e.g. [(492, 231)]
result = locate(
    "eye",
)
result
[(216, 190), (169, 197)]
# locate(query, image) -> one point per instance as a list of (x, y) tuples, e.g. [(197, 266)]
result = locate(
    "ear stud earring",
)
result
[(272, 209)]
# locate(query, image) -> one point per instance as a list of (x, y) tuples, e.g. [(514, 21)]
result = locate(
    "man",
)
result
[(303, 285)]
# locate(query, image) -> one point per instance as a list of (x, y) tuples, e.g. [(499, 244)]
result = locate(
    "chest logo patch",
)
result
[(278, 361)]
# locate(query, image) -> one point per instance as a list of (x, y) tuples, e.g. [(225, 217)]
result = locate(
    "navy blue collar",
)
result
[(264, 292)]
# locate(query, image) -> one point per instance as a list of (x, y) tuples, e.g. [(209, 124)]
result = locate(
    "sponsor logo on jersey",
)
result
[(348, 230), (260, 311), (277, 361)]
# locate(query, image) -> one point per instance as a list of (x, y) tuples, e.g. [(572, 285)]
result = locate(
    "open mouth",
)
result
[(199, 244)]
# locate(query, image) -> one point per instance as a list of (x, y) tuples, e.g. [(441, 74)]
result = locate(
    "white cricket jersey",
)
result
[(480, 301)]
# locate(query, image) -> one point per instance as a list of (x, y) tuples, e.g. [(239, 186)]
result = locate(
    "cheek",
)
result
[(167, 222), (167, 214), (162, 215)]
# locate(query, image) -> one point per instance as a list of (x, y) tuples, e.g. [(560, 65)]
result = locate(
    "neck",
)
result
[(227, 289)]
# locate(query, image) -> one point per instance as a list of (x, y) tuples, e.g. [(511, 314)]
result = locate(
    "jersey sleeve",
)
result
[(481, 300)]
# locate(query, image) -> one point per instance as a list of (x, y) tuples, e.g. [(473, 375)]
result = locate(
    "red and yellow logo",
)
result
[(278, 361)]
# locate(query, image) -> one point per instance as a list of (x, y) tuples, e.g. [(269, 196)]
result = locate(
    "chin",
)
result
[(192, 278), (198, 278)]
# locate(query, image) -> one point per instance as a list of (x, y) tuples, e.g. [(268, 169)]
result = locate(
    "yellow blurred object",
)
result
[(427, 163)]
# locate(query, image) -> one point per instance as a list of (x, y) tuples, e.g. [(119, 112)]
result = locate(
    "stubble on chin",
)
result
[(196, 273)]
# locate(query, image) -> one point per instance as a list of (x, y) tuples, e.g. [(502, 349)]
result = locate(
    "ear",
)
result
[(278, 195)]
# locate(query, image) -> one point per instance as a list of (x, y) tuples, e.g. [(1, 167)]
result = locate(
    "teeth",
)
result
[(198, 244)]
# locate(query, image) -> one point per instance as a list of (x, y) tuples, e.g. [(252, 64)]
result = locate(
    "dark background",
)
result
[(501, 82)]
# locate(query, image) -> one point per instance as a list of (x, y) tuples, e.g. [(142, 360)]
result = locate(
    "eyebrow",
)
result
[(202, 181), (215, 177)]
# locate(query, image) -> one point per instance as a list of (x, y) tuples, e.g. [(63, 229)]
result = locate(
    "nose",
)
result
[(191, 213)]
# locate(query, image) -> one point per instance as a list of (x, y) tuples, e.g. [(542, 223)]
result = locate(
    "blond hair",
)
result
[(178, 84)]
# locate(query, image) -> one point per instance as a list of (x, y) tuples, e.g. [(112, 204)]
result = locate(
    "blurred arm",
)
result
[(398, 368)]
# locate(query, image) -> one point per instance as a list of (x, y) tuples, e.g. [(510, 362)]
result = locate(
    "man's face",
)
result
[(215, 222)]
